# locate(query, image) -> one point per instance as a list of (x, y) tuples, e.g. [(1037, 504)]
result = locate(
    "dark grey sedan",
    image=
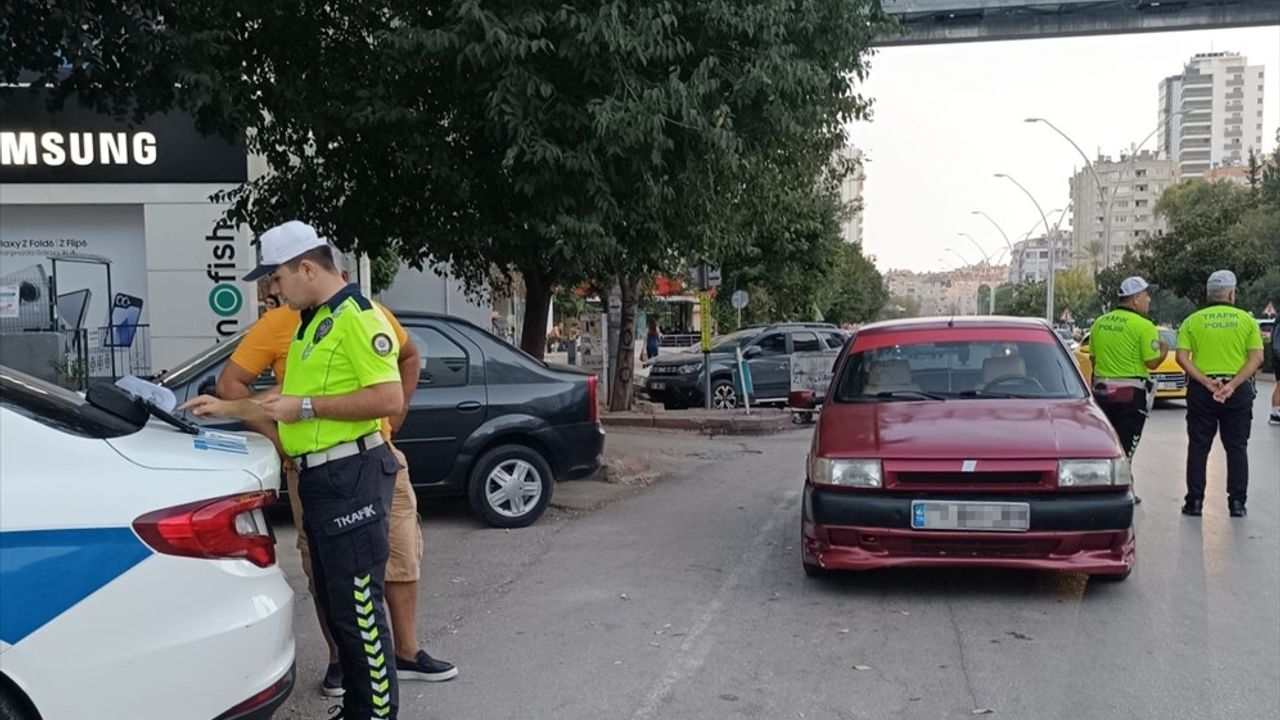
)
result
[(487, 420)]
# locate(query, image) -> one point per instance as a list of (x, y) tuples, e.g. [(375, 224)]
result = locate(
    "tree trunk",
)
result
[(624, 362), (537, 300)]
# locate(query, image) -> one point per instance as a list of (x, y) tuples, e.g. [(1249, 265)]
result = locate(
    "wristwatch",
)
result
[(308, 411)]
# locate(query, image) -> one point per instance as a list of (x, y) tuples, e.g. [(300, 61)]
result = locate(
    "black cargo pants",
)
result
[(1232, 420), (1126, 409), (345, 507)]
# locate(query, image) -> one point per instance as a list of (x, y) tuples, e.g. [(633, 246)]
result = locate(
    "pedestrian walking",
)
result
[(1220, 349), (341, 380), (265, 346), (652, 340), (1126, 347)]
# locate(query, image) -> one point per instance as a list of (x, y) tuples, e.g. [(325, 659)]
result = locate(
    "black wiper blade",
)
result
[(909, 395), (998, 395)]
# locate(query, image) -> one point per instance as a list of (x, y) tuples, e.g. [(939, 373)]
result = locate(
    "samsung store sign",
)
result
[(78, 145)]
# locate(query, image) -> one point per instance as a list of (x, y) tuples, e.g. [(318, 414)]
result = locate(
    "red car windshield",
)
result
[(969, 363)]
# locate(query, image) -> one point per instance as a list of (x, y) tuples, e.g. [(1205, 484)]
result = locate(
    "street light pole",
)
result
[(999, 229), (965, 263), (1048, 301), (1106, 205), (1106, 261), (969, 237)]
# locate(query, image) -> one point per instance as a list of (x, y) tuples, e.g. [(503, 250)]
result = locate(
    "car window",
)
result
[(805, 341), (977, 368), (835, 340), (772, 344), (444, 363)]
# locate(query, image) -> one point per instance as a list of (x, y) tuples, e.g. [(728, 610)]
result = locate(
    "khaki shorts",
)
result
[(404, 564)]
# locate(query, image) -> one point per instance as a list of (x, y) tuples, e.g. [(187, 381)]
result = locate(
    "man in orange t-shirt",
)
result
[(266, 345)]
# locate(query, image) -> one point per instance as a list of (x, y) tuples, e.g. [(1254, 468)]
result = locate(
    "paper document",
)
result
[(162, 397)]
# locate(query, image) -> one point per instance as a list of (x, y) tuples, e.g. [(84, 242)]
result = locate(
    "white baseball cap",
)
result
[(1221, 280), (283, 243), (1134, 285)]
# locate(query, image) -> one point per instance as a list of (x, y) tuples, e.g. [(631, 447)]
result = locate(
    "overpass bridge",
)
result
[(925, 22)]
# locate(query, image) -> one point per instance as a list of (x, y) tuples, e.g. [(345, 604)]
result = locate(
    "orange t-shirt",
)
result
[(266, 344)]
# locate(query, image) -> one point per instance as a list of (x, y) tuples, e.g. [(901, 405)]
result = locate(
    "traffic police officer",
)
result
[(1126, 347), (1220, 349), (341, 380)]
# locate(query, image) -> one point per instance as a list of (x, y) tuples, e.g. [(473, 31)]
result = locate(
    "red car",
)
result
[(964, 442)]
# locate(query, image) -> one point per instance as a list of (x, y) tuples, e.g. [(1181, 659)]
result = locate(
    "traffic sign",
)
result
[(704, 305), (713, 276), (739, 299), (1269, 310)]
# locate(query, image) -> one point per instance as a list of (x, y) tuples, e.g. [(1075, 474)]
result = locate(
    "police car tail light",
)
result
[(593, 413), (220, 528)]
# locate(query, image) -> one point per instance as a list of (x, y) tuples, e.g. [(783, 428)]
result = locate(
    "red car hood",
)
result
[(994, 429)]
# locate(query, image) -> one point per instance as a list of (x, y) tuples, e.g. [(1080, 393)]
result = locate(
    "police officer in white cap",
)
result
[(1126, 347), (1220, 349)]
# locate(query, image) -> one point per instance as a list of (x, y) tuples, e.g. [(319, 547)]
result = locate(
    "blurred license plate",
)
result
[(992, 517), (657, 385), (1166, 386)]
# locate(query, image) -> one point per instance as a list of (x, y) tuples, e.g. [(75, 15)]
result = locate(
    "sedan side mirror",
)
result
[(751, 352)]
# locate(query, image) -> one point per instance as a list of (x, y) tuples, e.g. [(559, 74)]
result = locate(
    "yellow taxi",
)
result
[(1170, 380)]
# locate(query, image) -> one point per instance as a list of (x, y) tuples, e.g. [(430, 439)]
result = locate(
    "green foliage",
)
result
[(1021, 300), (382, 271), (900, 306), (856, 293), (1211, 226)]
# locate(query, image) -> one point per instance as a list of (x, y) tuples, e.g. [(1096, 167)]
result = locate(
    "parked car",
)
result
[(964, 442), (1170, 379), (677, 380), (487, 420), (138, 575)]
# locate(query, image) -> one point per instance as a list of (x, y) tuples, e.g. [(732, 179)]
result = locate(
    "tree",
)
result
[(856, 292), (602, 140), (1211, 226), (1074, 290), (1021, 300), (900, 306), (1091, 254)]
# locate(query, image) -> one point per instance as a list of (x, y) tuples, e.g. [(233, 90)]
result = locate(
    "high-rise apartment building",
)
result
[(1211, 114), (1131, 187)]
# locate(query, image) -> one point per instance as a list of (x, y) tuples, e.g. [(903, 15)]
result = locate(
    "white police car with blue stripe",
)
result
[(138, 576)]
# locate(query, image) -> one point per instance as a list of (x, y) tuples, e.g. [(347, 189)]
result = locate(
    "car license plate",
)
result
[(1166, 386), (988, 516), (657, 385)]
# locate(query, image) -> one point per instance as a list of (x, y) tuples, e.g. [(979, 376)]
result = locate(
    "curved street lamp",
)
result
[(999, 229), (1048, 301), (969, 237), (1106, 204)]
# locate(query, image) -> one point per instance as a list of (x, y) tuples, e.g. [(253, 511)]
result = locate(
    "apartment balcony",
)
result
[(1191, 105), (1236, 133), (1235, 83)]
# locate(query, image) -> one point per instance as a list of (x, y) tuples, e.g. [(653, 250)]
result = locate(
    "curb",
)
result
[(771, 424)]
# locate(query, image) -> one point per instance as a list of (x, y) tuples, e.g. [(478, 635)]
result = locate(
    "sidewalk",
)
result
[(761, 421), (619, 476)]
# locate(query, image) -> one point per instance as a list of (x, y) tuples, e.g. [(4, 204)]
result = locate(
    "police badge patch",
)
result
[(322, 330), (382, 344)]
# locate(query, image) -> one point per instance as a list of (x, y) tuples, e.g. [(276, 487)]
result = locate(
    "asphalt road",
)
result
[(687, 600)]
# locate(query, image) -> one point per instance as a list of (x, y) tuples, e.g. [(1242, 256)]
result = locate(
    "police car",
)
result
[(138, 575)]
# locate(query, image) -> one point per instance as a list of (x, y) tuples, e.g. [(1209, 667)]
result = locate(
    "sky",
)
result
[(946, 118)]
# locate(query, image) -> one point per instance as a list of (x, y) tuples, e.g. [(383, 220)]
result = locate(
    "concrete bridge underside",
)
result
[(926, 22)]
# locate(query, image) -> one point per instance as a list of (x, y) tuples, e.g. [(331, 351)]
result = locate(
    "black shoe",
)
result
[(334, 713), (425, 667), (1194, 508), (1236, 508), (331, 686)]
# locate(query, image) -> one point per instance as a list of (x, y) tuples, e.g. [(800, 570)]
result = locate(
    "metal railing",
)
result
[(105, 353)]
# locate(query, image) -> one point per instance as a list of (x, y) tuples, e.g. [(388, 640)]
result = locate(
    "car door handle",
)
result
[(469, 406)]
